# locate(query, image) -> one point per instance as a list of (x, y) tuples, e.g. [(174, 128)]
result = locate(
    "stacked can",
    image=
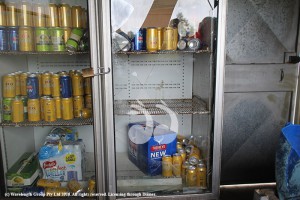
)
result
[(66, 96), (186, 163), (12, 23), (32, 85), (78, 92), (42, 36), (65, 20), (56, 33), (3, 28), (26, 35)]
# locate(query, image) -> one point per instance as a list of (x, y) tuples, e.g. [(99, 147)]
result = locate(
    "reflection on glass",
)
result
[(162, 115)]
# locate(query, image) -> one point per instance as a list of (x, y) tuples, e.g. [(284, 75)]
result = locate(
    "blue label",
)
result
[(32, 86), (65, 86), (13, 39)]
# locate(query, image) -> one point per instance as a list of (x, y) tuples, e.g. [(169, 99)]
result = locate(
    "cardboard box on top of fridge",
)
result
[(24, 172), (148, 142)]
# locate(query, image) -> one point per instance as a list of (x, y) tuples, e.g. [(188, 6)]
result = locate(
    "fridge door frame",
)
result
[(94, 25), (106, 83)]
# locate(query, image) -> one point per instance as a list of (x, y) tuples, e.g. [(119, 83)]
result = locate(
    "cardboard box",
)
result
[(147, 145), (24, 172)]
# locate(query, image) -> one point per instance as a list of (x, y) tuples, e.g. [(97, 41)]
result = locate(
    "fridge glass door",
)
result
[(163, 86), (47, 129)]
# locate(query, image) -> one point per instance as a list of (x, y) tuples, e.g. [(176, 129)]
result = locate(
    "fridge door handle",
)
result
[(102, 72)]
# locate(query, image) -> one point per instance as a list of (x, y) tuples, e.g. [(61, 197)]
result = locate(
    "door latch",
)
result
[(89, 72)]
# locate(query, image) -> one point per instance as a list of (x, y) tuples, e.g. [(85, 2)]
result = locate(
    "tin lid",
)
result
[(201, 165), (186, 163), (191, 167), (167, 156), (56, 74), (181, 44), (181, 151), (32, 75), (193, 161), (176, 154)]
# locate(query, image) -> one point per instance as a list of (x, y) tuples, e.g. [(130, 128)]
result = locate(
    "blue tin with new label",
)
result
[(32, 85), (139, 40), (65, 86), (13, 39), (3, 39)]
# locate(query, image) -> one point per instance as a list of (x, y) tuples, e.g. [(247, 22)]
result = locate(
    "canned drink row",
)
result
[(34, 85), (42, 15), (43, 39), (49, 109), (192, 175), (154, 39)]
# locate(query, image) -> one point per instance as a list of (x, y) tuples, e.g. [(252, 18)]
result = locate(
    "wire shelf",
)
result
[(161, 107), (42, 53), (60, 122), (164, 52)]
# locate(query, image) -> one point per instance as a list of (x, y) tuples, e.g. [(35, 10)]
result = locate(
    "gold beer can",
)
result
[(169, 37), (167, 166), (42, 99), (17, 110), (3, 21), (152, 39), (184, 168), (88, 101), (26, 39), (84, 18), (23, 81), (9, 86), (175, 40), (12, 14), (18, 86), (52, 15), (39, 75), (76, 17), (86, 113), (33, 106), (159, 38), (88, 85), (49, 109), (39, 15), (58, 107), (183, 154), (46, 83), (71, 72), (67, 108), (191, 176), (67, 33), (55, 85), (25, 14), (177, 162), (65, 15), (77, 84), (201, 175), (178, 146), (78, 104), (194, 156)]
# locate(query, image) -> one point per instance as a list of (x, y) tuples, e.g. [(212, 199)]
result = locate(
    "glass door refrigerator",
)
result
[(50, 143), (162, 97)]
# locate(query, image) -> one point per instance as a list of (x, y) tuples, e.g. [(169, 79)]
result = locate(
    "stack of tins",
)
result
[(39, 27), (186, 163), (46, 96)]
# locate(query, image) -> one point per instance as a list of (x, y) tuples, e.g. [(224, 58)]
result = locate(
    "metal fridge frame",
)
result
[(105, 87)]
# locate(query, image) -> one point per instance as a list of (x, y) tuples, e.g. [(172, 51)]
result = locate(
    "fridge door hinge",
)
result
[(89, 72)]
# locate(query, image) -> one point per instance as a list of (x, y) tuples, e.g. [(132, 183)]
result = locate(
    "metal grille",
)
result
[(42, 53), (60, 122), (163, 52), (151, 106)]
